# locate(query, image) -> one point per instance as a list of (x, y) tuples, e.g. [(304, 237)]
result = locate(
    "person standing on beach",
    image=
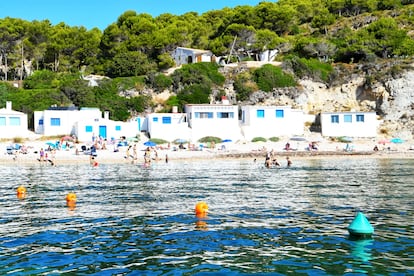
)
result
[(42, 155), (147, 156)]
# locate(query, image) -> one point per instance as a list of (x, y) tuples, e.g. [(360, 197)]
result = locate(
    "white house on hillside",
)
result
[(12, 123), (271, 121), (352, 124), (184, 55), (168, 126), (219, 120)]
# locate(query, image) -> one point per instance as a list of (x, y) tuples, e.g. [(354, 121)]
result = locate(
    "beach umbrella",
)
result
[(226, 141), (150, 144), (397, 141), (50, 144), (383, 141), (66, 138)]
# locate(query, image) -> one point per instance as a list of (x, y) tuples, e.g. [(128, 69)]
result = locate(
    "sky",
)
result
[(102, 13)]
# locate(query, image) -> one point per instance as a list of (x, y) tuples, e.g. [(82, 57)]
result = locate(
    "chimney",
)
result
[(9, 105), (224, 100), (175, 109), (106, 115)]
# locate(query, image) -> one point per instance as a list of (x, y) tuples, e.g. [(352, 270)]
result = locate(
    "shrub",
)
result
[(244, 86), (41, 79), (268, 77), (259, 139), (274, 139), (210, 139), (203, 73), (312, 68), (158, 141)]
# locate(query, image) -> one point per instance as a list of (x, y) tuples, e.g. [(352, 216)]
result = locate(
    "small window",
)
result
[(225, 115), (2, 121), (280, 113), (260, 113), (55, 121), (204, 115), (41, 122), (117, 128), (166, 120), (15, 121), (360, 118), (155, 119), (335, 119), (88, 128), (348, 118)]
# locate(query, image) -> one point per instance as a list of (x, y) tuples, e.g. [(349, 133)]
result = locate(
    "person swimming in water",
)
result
[(289, 162)]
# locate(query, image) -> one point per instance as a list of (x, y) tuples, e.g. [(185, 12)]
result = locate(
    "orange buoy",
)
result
[(21, 192), (201, 209), (71, 197)]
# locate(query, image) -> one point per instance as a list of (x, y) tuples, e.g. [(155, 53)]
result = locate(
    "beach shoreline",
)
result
[(250, 150)]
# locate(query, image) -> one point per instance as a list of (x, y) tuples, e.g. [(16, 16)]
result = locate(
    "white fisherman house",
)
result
[(168, 126), (219, 120), (271, 121), (184, 55), (352, 124), (83, 122), (12, 123), (86, 129), (61, 120)]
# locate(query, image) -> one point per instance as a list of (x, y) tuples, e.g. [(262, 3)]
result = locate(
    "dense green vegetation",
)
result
[(311, 36)]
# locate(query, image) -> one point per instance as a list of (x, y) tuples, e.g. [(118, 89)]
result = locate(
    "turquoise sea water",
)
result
[(131, 220)]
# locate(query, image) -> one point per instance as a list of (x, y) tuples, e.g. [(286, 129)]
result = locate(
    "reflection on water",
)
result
[(129, 218), (361, 249)]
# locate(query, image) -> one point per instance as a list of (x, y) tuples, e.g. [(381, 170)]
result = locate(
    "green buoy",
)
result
[(360, 226)]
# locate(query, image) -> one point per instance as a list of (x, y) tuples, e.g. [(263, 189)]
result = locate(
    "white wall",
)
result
[(367, 128), (158, 126), (292, 122), (224, 128), (85, 129), (13, 123), (68, 118)]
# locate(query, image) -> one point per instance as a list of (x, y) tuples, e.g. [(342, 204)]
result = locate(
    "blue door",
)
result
[(102, 131), (139, 124)]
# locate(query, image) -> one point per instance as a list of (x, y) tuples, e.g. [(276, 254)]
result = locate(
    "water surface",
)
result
[(132, 220)]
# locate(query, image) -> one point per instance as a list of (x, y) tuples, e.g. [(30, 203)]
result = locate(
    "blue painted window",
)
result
[(280, 113), (335, 119), (166, 120), (55, 121), (2, 121), (15, 121), (203, 115), (41, 122), (88, 128), (260, 113), (155, 119), (117, 128), (360, 118), (225, 115), (348, 118)]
